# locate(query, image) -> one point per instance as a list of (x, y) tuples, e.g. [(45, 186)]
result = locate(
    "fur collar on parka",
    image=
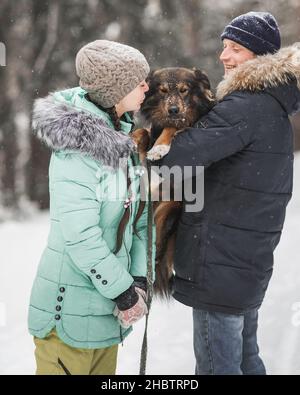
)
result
[(62, 126), (266, 71)]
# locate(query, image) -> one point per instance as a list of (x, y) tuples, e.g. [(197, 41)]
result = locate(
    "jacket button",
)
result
[(57, 317), (93, 271), (58, 308), (104, 282), (62, 289), (60, 298), (98, 276)]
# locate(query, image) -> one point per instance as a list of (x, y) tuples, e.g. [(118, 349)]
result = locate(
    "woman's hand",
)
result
[(133, 314)]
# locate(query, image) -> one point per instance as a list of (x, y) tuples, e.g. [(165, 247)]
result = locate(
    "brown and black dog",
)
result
[(177, 98)]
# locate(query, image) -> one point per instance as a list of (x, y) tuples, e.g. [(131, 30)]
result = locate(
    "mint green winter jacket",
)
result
[(78, 274)]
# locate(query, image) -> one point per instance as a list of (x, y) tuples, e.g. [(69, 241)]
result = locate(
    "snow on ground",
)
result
[(170, 325)]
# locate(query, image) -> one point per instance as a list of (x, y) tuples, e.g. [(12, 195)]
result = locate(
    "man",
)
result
[(224, 254)]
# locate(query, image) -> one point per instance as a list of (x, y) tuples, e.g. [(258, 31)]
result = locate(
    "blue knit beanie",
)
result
[(257, 31)]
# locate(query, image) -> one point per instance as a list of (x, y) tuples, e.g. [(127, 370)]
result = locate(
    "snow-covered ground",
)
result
[(170, 326)]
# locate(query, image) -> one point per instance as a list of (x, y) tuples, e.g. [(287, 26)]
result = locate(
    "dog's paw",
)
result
[(158, 151)]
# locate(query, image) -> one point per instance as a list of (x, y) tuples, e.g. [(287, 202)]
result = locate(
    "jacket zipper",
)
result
[(127, 253)]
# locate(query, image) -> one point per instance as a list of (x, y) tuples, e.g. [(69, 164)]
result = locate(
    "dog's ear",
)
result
[(202, 77), (203, 80), (150, 77)]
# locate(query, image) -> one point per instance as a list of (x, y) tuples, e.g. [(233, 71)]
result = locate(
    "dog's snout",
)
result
[(173, 110)]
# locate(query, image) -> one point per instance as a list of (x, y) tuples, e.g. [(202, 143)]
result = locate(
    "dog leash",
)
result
[(143, 359)]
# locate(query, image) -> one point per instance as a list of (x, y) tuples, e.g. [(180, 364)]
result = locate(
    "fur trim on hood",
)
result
[(266, 71), (61, 126)]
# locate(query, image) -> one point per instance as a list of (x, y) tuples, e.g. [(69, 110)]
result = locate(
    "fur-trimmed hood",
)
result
[(266, 72), (62, 126)]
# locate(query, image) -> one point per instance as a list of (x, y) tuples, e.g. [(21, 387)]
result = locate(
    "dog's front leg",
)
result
[(162, 144), (141, 137)]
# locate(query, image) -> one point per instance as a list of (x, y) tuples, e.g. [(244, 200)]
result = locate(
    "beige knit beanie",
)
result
[(108, 70)]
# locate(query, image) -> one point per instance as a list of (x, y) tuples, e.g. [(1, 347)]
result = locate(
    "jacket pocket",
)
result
[(189, 254)]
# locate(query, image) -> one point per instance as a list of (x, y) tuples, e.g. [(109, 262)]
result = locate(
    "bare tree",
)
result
[(42, 38)]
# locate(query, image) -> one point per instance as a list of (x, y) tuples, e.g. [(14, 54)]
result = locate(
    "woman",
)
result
[(90, 285)]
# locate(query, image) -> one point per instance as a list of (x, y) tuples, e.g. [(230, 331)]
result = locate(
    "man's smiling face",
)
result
[(233, 55)]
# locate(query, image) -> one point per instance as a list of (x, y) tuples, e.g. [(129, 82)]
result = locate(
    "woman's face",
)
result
[(134, 99), (233, 55)]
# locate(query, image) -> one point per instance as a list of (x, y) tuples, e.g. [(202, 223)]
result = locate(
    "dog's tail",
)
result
[(166, 219), (164, 278)]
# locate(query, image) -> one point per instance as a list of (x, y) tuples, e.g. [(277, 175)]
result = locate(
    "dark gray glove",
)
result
[(129, 298)]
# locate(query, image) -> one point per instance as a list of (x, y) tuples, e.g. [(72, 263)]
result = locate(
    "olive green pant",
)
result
[(55, 357)]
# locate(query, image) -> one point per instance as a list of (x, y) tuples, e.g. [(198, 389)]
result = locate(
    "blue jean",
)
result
[(226, 344)]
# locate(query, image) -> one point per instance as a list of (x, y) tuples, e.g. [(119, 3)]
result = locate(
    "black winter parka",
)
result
[(224, 253)]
